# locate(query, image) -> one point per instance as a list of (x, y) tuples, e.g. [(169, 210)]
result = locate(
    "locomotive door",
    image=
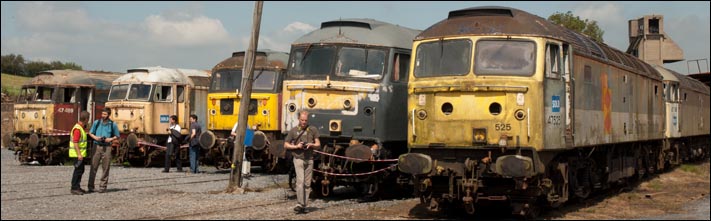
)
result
[(569, 94), (554, 97), (66, 108)]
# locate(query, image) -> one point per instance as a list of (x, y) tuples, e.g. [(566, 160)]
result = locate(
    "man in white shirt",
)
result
[(173, 147)]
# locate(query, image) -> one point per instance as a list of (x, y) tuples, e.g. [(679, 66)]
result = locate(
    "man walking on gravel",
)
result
[(77, 149), (103, 131), (301, 140)]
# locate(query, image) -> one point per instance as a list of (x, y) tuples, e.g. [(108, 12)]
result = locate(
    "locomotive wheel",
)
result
[(122, 151)]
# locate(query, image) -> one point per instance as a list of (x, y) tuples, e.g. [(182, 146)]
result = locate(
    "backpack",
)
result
[(177, 137)]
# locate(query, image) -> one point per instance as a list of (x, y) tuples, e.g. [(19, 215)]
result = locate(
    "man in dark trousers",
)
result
[(103, 131), (77, 149), (173, 147), (301, 140), (195, 131)]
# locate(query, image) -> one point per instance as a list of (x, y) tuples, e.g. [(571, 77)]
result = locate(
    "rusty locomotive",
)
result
[(507, 107), (49, 106), (142, 101)]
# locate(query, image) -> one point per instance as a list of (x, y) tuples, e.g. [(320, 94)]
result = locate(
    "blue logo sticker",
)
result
[(164, 118), (555, 103)]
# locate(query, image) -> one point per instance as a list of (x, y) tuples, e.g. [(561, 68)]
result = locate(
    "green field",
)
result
[(12, 83)]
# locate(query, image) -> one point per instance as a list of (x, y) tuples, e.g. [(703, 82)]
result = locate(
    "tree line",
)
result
[(17, 65)]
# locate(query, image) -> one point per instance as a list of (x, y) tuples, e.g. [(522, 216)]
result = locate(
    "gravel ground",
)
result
[(42, 192), (697, 210)]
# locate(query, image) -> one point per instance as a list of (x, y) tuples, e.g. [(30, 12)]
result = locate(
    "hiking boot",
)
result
[(298, 209), (101, 190), (77, 192)]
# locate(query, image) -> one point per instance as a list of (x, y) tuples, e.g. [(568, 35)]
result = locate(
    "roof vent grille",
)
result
[(345, 24), (481, 12)]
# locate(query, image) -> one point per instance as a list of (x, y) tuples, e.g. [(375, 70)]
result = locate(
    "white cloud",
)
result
[(299, 27), (607, 13), (52, 16), (609, 17), (196, 31), (67, 32), (278, 40)]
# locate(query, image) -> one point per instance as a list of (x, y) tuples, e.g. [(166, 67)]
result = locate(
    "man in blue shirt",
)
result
[(103, 131)]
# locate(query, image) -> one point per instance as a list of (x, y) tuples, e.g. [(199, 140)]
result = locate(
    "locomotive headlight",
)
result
[(334, 126), (519, 114), (421, 114), (36, 115), (23, 115), (291, 107), (479, 135), (347, 104)]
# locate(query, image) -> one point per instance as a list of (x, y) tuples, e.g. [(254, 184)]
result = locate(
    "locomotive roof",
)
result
[(361, 31), (684, 80), (160, 74), (98, 79), (504, 21), (263, 59)]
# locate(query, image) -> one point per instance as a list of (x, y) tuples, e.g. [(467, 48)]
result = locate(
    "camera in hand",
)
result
[(103, 139)]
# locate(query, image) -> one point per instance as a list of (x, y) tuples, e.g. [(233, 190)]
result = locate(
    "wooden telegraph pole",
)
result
[(235, 183)]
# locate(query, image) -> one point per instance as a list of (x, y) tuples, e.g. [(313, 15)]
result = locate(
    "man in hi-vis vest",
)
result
[(77, 149)]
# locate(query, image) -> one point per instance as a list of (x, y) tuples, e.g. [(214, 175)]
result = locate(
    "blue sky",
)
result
[(116, 36)]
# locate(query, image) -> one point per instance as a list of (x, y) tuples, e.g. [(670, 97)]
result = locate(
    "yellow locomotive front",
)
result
[(481, 106), (264, 114), (142, 102), (482, 111), (477, 112)]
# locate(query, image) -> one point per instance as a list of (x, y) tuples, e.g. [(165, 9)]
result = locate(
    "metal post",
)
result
[(236, 167)]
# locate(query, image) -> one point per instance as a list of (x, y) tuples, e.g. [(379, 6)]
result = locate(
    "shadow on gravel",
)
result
[(598, 197)]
